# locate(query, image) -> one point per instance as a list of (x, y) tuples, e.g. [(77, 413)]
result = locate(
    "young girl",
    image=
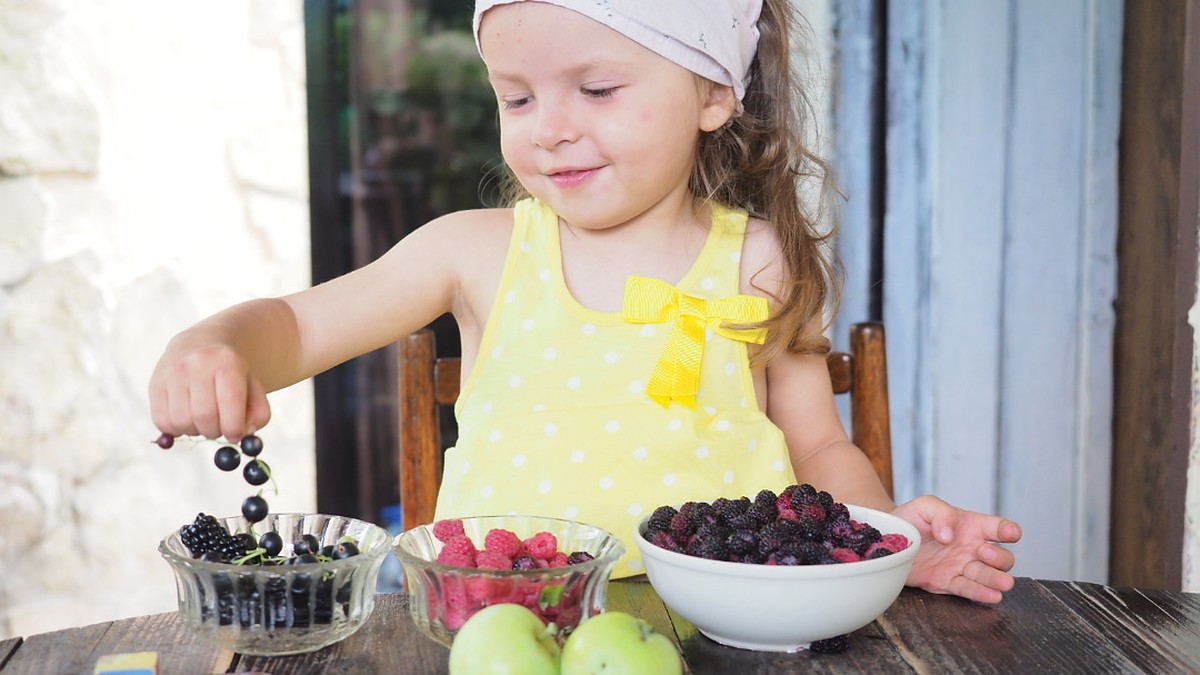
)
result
[(644, 327)]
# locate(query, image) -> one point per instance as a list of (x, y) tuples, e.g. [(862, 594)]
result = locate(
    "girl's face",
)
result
[(592, 123)]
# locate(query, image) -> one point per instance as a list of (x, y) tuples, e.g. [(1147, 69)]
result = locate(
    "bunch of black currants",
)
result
[(228, 457), (256, 472)]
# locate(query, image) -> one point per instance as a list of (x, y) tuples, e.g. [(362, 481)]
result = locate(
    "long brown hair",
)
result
[(759, 162)]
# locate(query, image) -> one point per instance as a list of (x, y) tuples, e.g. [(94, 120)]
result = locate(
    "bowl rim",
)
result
[(379, 550), (618, 548), (789, 572)]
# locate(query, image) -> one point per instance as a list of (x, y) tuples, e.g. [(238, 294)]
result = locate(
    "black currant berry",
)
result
[(307, 543), (254, 508), (345, 549), (252, 445), (256, 472), (303, 559), (271, 542), (227, 458), (165, 441)]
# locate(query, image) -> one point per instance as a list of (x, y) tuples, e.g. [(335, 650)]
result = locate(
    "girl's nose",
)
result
[(555, 124)]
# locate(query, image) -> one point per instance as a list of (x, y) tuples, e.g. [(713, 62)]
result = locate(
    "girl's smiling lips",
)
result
[(568, 178)]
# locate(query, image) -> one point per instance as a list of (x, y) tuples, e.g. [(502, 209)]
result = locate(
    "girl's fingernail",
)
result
[(945, 534)]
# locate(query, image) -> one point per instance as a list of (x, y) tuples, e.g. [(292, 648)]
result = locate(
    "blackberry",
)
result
[(763, 514), (880, 552), (732, 508), (765, 498), (660, 520), (811, 530), (205, 534), (524, 562), (579, 557), (870, 532), (825, 499), (743, 521), (838, 512), (712, 547), (783, 529), (831, 645), (682, 525), (741, 542), (807, 552)]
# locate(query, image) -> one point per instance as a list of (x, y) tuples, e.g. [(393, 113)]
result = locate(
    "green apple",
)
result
[(616, 643), (504, 639)]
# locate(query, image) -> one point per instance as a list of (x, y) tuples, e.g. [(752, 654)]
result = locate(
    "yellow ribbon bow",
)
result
[(677, 376)]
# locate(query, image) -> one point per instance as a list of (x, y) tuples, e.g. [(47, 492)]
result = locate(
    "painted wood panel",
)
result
[(998, 271)]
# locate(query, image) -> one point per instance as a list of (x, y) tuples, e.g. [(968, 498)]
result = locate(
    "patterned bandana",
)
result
[(712, 38)]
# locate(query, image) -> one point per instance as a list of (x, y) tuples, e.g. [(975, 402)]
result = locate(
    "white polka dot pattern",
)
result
[(557, 421)]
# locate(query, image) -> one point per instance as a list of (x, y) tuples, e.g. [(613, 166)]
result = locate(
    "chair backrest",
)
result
[(427, 382)]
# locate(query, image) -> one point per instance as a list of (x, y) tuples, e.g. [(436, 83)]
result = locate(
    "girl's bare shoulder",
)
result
[(488, 224)]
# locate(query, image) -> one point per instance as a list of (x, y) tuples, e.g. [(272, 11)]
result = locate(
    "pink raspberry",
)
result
[(559, 560), (844, 555), (445, 530), (542, 545), (459, 545), (455, 559), (503, 542), (491, 560), (482, 590), (894, 542)]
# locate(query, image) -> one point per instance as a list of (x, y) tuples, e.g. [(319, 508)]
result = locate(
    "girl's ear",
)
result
[(719, 107)]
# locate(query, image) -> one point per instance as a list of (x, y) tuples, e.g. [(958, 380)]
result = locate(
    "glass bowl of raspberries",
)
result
[(455, 567), (288, 584), (777, 572)]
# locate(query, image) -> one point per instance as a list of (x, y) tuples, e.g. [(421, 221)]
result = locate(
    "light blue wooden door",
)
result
[(989, 251)]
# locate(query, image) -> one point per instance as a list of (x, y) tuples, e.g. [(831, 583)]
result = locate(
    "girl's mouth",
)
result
[(572, 177)]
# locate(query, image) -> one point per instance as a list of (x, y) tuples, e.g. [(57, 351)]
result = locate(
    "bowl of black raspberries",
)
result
[(278, 584), (788, 571)]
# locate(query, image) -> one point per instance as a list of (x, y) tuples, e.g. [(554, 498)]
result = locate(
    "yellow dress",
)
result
[(555, 418)]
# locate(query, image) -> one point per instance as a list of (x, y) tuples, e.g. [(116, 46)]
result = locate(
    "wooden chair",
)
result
[(427, 382)]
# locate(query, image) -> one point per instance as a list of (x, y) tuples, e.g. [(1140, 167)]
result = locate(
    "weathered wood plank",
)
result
[(906, 247), (76, 650), (1098, 290), (1030, 632), (971, 48), (1155, 630)]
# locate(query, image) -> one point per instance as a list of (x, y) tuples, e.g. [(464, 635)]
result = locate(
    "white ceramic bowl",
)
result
[(781, 608)]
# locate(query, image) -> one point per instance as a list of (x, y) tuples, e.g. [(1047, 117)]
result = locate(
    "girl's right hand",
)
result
[(206, 391)]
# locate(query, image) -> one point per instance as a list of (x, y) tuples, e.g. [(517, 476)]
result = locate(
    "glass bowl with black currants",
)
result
[(286, 584)]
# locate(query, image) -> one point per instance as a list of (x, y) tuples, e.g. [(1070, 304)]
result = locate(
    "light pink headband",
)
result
[(713, 38)]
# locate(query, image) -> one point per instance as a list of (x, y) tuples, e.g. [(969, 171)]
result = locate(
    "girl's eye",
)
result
[(607, 92), (513, 104)]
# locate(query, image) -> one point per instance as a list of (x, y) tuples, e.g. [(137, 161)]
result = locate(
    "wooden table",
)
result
[(1041, 627)]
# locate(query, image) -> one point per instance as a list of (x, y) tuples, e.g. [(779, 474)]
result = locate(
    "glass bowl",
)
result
[(443, 597), (271, 610), (777, 607)]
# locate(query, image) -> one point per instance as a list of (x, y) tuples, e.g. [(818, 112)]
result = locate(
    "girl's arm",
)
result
[(800, 402), (213, 378)]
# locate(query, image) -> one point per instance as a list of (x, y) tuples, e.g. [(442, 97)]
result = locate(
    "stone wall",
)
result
[(153, 170)]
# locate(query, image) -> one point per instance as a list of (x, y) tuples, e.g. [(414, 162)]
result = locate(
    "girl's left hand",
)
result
[(959, 553)]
